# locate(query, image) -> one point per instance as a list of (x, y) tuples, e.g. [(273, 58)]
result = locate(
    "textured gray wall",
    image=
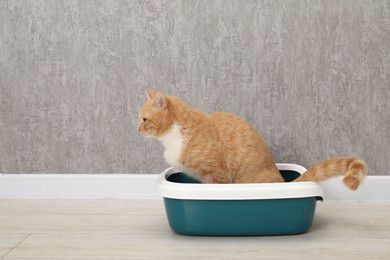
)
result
[(312, 76)]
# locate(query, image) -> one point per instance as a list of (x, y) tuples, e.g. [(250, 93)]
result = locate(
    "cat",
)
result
[(224, 148)]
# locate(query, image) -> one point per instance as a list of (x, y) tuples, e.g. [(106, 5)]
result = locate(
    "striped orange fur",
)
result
[(224, 148), (353, 170)]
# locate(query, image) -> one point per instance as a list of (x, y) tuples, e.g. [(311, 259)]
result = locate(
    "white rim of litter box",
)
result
[(248, 191)]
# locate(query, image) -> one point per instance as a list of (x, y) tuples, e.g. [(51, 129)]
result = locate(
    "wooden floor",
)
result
[(138, 229)]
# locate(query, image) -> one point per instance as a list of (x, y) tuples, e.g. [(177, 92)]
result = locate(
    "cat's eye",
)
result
[(144, 119)]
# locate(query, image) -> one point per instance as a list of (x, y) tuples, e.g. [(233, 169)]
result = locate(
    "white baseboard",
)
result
[(78, 186), (373, 188), (137, 186)]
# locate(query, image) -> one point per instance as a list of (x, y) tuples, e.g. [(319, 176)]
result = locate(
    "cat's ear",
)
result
[(150, 94), (160, 101)]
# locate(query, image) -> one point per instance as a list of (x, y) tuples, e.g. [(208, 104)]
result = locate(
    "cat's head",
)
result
[(154, 117)]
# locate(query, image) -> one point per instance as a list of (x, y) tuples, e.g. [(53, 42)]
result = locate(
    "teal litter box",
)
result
[(195, 208)]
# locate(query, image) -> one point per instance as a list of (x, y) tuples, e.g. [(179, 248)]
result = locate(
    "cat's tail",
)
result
[(353, 170)]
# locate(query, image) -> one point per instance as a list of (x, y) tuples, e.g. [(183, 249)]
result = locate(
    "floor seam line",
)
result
[(9, 251)]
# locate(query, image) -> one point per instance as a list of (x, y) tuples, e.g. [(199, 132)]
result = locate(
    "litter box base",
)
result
[(240, 217)]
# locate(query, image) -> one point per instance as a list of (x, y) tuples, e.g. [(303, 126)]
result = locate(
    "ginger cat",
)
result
[(224, 148)]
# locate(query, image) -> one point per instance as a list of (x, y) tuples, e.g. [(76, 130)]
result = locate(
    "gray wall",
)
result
[(312, 76)]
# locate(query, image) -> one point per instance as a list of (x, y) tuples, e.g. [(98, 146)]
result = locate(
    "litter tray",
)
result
[(195, 208)]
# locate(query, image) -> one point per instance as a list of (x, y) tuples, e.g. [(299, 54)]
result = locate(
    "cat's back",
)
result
[(223, 131), (232, 125), (238, 135)]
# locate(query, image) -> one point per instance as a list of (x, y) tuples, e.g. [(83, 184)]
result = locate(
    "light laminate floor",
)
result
[(138, 229)]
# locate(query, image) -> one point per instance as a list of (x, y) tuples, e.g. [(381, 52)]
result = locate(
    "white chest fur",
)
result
[(173, 142)]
